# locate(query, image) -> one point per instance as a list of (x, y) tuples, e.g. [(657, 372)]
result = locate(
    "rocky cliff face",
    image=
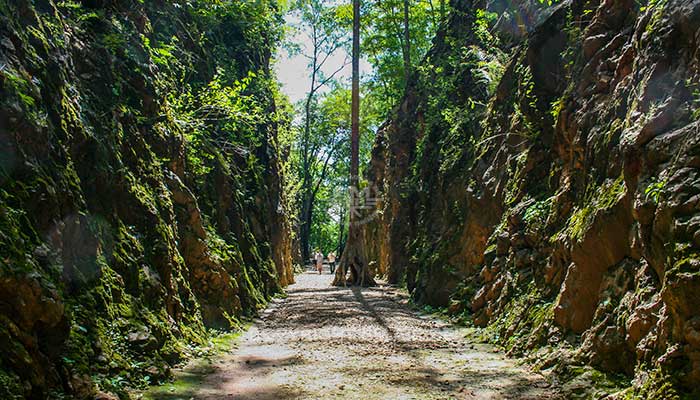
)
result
[(547, 187), (140, 196)]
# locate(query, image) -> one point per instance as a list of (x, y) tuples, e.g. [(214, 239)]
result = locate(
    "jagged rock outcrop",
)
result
[(547, 188), (137, 210)]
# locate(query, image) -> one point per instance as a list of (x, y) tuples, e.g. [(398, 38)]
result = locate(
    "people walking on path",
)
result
[(319, 261), (331, 261)]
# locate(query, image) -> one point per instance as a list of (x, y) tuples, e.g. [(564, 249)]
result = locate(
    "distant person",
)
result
[(319, 262), (331, 261)]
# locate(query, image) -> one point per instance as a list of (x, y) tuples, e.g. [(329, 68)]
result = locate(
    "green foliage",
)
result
[(596, 199), (656, 8), (489, 71), (81, 14), (382, 45), (186, 381), (20, 85), (557, 107), (114, 42), (694, 89), (538, 212), (256, 21), (527, 87), (15, 235), (165, 54), (222, 116), (586, 382), (235, 112), (483, 23), (659, 384), (654, 189), (316, 156), (331, 133), (574, 33), (516, 171), (10, 386), (196, 71), (525, 320)]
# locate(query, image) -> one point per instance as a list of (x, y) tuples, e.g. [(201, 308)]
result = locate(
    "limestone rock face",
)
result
[(549, 183), (131, 222)]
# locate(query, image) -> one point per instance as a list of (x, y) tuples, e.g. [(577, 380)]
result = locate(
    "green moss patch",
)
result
[(188, 380)]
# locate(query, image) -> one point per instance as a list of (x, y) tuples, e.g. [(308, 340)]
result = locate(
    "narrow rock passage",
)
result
[(323, 342)]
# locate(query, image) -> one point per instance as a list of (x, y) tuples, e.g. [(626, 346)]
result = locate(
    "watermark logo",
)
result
[(363, 204)]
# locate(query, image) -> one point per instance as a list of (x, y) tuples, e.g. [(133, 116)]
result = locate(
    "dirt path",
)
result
[(323, 342)]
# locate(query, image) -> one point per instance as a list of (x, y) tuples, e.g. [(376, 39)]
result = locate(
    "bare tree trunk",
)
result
[(353, 259)]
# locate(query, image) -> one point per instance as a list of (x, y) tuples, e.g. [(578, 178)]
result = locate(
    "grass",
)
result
[(188, 379)]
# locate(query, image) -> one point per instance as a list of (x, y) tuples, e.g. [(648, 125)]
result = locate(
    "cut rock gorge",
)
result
[(540, 179)]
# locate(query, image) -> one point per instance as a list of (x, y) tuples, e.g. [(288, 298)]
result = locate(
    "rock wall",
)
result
[(140, 196), (546, 188)]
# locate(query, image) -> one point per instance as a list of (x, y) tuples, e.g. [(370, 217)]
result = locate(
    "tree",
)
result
[(316, 149), (333, 118), (353, 259), (398, 32)]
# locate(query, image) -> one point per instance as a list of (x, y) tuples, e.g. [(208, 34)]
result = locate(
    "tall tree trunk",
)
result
[(306, 220), (407, 43), (355, 107), (305, 212), (341, 232), (442, 10), (306, 216), (353, 259), (304, 242)]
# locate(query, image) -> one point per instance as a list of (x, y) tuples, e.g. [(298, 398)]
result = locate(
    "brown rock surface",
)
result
[(572, 201)]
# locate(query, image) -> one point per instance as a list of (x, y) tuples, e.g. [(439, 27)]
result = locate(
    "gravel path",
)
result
[(323, 342)]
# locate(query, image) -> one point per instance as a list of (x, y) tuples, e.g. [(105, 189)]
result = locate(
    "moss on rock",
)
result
[(127, 253)]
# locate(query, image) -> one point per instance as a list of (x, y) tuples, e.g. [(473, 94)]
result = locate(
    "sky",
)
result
[(293, 73)]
